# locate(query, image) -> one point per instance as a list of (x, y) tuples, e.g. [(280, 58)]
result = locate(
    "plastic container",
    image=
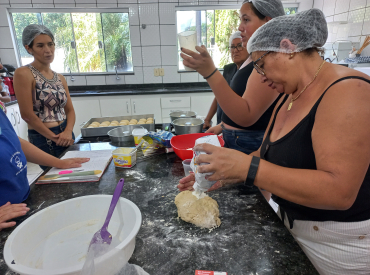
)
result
[(55, 240), (183, 144), (138, 133), (124, 157), (186, 165), (188, 40)]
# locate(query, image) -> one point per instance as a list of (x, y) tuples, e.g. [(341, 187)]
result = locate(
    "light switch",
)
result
[(161, 71), (156, 72)]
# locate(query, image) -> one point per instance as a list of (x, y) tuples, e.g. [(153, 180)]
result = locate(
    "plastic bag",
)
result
[(131, 269), (201, 183)]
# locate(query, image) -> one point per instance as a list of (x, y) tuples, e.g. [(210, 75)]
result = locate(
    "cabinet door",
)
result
[(12, 118), (115, 106), (85, 108), (201, 104), (147, 105), (21, 124)]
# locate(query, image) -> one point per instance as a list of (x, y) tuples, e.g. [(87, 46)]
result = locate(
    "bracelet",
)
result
[(252, 171), (210, 74)]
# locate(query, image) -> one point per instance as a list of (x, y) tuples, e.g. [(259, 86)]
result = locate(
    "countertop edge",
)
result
[(77, 94)]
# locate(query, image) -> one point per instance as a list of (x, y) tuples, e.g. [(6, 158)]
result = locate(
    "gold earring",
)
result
[(291, 55)]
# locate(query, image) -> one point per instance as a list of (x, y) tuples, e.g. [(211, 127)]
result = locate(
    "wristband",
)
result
[(252, 171), (210, 74)]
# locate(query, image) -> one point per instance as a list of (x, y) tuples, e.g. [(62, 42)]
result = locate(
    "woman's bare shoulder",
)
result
[(23, 72)]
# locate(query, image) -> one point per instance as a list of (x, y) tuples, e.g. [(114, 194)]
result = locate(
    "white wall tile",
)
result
[(86, 5), (188, 2), (357, 4), (149, 76), (133, 13), (148, 14), (106, 5), (341, 6), (356, 21), (43, 5), (228, 2), (21, 5), (85, 1), (204, 2), (329, 7), (343, 17), (8, 57), (329, 19), (112, 79), (147, 1), (150, 35), (42, 2), (21, 2), (4, 2), (79, 80), (137, 78), (169, 55), (305, 5), (151, 56), (6, 38), (318, 4), (64, 2), (366, 25), (135, 36), (136, 56), (68, 5), (95, 79), (167, 13), (168, 35), (3, 16), (170, 74), (343, 31), (107, 1), (189, 77)]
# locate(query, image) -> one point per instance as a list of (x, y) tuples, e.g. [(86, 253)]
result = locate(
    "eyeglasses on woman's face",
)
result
[(238, 47), (258, 68)]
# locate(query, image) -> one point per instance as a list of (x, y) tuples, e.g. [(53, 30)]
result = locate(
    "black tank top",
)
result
[(238, 84), (295, 150)]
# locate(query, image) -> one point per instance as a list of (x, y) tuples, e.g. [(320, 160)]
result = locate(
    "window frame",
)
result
[(217, 7), (10, 11)]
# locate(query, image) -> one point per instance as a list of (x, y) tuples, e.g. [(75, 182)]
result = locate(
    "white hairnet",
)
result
[(31, 31), (234, 36), (306, 29), (271, 8)]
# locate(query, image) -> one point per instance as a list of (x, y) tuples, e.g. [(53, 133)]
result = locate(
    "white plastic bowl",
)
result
[(55, 240)]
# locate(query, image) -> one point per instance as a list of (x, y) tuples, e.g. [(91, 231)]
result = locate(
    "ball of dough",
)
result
[(132, 123), (114, 121), (105, 122), (123, 123), (149, 122), (95, 123), (133, 120), (149, 118), (91, 126), (113, 124), (202, 212), (125, 120), (103, 125)]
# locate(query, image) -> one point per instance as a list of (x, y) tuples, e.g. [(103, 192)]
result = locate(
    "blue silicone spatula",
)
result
[(102, 238)]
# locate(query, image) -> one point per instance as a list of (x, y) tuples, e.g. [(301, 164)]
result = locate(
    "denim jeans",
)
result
[(242, 140), (48, 145)]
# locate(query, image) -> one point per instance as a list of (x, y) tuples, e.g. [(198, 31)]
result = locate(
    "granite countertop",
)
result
[(139, 89), (251, 239)]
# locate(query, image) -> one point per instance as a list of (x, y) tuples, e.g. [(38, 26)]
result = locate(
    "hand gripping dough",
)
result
[(201, 212)]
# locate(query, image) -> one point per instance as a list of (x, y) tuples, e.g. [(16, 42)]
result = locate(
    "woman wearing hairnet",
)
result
[(43, 95), (315, 156), (238, 55), (247, 103)]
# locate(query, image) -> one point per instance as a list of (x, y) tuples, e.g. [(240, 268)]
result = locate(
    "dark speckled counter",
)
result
[(250, 240)]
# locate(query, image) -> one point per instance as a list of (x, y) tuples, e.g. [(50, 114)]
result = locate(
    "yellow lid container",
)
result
[(124, 157)]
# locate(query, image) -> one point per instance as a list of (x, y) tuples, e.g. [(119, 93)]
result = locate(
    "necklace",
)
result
[(305, 87)]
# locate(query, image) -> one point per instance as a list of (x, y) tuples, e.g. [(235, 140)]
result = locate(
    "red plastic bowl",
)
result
[(182, 142)]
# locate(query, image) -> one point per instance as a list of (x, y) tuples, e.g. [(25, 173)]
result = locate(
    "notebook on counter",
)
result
[(89, 171)]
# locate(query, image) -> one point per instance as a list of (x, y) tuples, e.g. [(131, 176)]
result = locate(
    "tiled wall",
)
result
[(347, 20), (152, 47)]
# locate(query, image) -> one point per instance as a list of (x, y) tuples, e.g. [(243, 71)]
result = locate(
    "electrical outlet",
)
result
[(156, 72), (161, 71)]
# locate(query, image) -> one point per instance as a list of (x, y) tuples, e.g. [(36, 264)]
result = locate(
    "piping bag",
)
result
[(201, 184)]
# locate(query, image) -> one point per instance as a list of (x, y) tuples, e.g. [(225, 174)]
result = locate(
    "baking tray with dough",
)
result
[(102, 130)]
